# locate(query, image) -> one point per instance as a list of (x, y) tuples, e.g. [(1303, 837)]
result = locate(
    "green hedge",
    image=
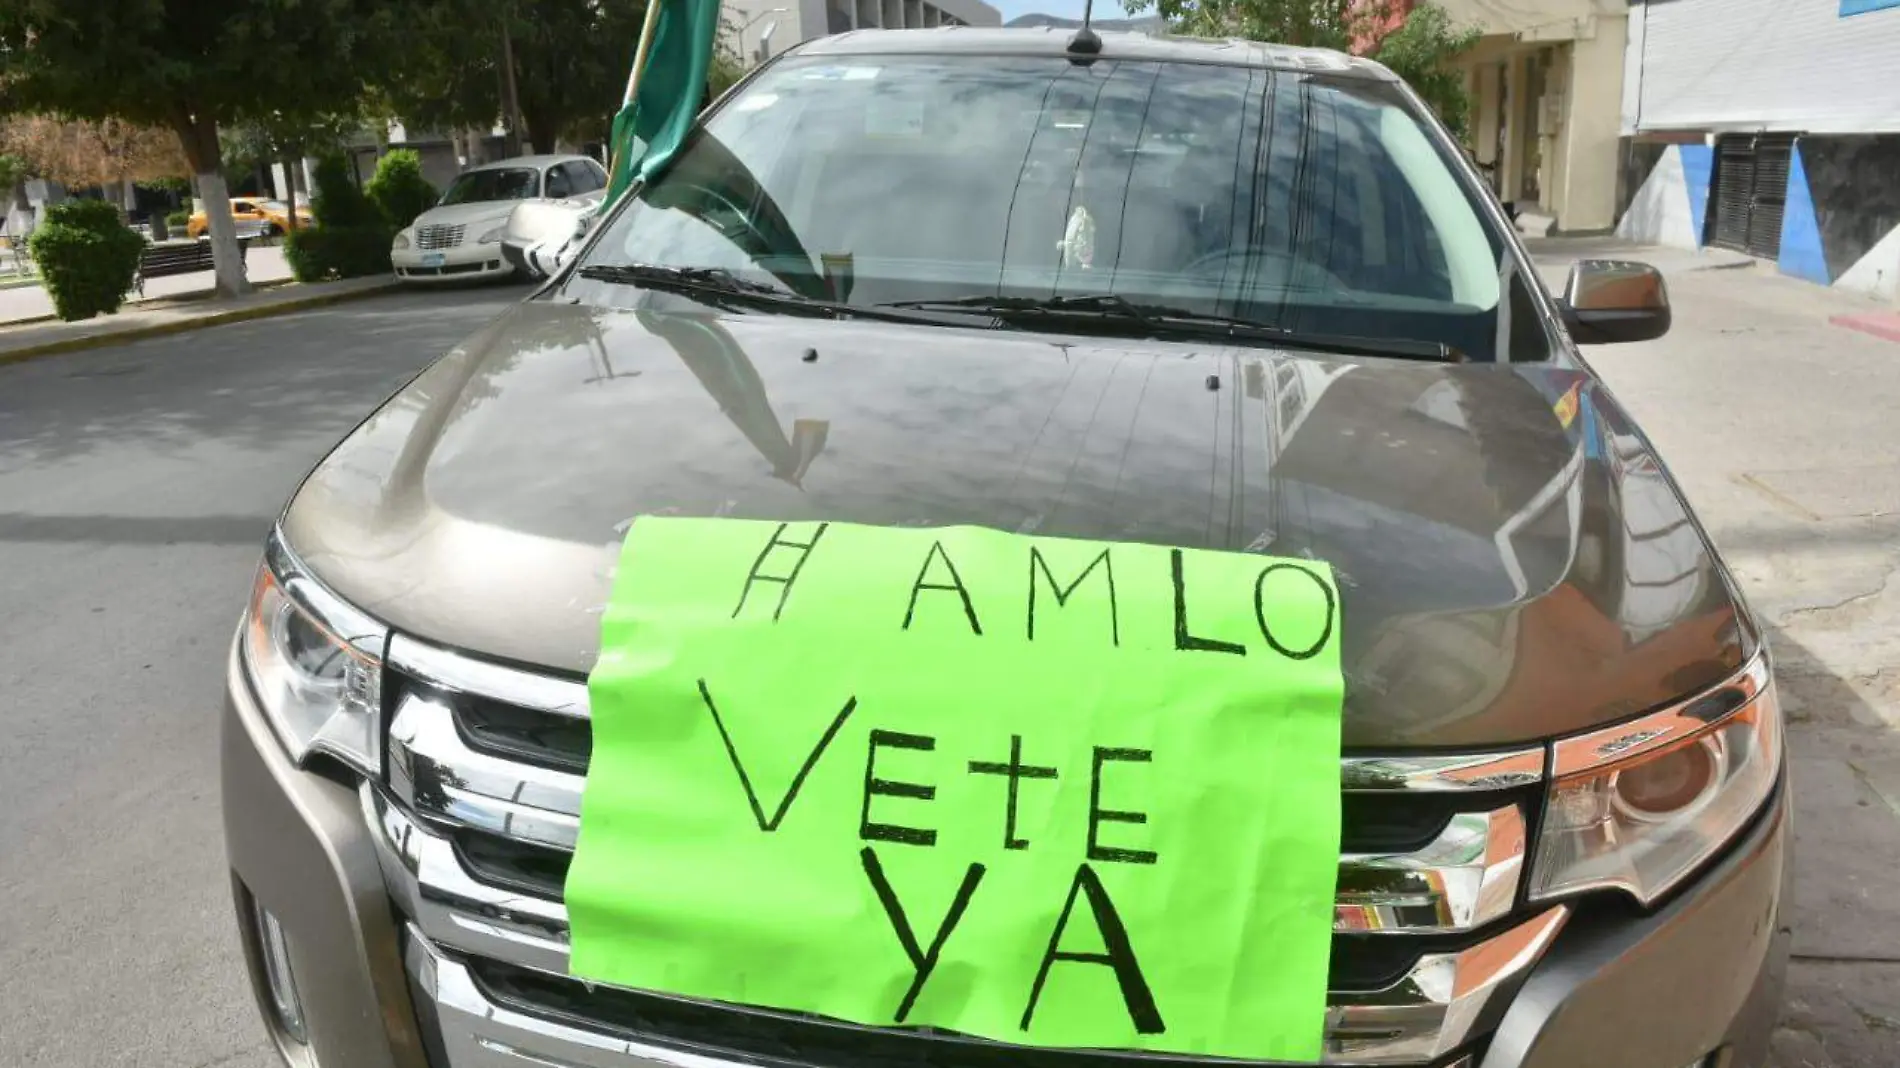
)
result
[(349, 237), (398, 188), (178, 220), (321, 253), (88, 257), (337, 201)]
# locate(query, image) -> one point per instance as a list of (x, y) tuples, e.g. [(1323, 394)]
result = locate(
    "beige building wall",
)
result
[(1547, 81)]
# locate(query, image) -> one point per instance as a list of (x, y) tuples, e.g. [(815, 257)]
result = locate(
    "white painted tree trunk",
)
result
[(227, 257)]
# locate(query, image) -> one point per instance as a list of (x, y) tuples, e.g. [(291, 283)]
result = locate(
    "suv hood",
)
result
[(1514, 562)]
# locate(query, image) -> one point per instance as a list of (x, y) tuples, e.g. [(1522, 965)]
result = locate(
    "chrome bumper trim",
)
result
[(1434, 1009), (1426, 1015), (1465, 878)]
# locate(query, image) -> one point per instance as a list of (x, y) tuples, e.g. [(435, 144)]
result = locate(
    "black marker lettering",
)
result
[(1260, 612), (777, 541), (885, 832), (956, 583), (1119, 955), (1099, 815), (1016, 770), (924, 961), (1107, 565), (758, 811), (1182, 639)]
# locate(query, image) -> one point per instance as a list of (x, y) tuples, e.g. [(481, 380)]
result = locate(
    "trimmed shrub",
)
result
[(88, 257), (179, 219), (337, 201), (398, 188), (321, 253)]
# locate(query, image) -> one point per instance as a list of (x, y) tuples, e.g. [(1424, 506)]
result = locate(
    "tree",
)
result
[(286, 139), (570, 64), (105, 153), (1418, 41), (195, 68), (1419, 52)]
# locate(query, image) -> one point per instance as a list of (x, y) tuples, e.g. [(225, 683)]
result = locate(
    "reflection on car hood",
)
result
[(1514, 563), (481, 211)]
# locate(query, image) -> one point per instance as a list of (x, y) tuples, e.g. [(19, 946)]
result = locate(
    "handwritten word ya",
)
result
[(1118, 951)]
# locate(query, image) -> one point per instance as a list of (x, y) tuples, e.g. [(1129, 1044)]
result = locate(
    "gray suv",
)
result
[(1220, 295)]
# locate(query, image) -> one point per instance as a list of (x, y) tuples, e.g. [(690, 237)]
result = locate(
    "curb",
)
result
[(1883, 325), (180, 326)]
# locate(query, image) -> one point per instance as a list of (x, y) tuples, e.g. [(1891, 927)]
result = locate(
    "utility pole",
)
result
[(510, 97)]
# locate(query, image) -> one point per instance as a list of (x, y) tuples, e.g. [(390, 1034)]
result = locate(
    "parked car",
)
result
[(255, 216), (1217, 295), (461, 237)]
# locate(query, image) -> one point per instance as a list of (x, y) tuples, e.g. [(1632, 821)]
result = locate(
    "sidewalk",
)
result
[(153, 317), (261, 265)]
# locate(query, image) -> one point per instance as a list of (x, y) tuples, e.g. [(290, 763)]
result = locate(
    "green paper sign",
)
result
[(1044, 791)]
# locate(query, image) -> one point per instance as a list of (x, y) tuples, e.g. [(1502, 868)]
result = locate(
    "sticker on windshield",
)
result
[(839, 74), (893, 117), (1044, 791)]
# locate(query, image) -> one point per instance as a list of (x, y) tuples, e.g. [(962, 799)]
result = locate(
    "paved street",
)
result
[(136, 484)]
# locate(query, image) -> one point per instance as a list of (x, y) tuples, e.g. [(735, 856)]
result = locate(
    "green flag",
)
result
[(670, 89)]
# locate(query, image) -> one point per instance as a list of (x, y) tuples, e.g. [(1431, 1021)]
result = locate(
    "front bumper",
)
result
[(1699, 977), (463, 263)]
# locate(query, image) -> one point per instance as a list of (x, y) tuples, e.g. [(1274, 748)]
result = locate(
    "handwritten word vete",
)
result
[(1045, 791)]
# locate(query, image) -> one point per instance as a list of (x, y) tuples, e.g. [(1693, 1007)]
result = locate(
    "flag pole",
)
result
[(640, 53)]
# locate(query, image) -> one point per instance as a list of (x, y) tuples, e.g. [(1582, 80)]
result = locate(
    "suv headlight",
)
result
[(401, 242), (1640, 806), (315, 664), (494, 235)]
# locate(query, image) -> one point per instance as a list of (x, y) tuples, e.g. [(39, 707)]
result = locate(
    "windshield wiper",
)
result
[(683, 279), (1164, 321), (716, 285)]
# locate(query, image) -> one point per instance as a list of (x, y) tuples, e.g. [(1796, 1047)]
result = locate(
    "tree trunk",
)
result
[(510, 96), (291, 164), (198, 135)]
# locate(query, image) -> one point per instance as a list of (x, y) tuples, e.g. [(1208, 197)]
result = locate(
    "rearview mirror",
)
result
[(1608, 302)]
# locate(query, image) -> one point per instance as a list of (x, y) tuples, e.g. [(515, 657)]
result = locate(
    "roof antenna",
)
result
[(1086, 42)]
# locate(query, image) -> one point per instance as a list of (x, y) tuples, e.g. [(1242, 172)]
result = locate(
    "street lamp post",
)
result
[(754, 21)]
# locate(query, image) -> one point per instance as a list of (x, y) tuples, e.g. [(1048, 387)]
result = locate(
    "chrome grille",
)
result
[(478, 822), (434, 237)]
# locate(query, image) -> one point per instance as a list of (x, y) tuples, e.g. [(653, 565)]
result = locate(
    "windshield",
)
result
[(1300, 200), (507, 183)]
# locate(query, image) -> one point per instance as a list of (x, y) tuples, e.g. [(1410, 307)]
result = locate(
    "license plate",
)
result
[(433, 259)]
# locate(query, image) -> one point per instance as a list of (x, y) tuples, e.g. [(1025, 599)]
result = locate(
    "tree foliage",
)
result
[(571, 61), (84, 153), (195, 68), (1419, 44), (398, 188), (1419, 52)]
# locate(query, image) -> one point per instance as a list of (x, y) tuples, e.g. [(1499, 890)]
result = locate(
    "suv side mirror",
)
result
[(1608, 302)]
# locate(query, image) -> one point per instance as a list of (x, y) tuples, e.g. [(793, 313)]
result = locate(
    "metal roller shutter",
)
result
[(1751, 192), (1773, 153), (1734, 190)]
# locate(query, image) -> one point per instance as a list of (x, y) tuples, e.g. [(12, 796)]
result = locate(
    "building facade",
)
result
[(1770, 127), (1545, 82), (756, 30)]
